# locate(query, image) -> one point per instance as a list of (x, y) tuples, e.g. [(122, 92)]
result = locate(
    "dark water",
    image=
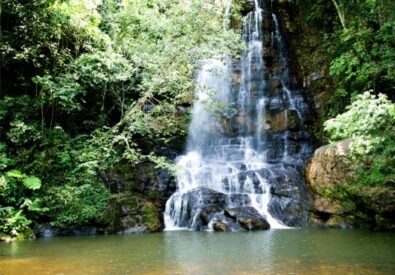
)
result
[(297, 251)]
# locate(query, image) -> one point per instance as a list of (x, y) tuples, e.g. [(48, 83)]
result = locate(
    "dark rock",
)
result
[(145, 181), (220, 226), (238, 200), (223, 223), (246, 6), (276, 104), (201, 204), (248, 218), (204, 207), (131, 214), (255, 181), (46, 231), (207, 213), (148, 108), (271, 156), (291, 199), (182, 109), (288, 210), (294, 122), (275, 83)]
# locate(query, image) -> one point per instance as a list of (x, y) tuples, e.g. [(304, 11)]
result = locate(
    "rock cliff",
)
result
[(339, 201)]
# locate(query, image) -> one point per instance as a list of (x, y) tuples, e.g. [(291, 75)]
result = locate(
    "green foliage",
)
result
[(358, 44), (5, 161), (101, 69), (30, 182), (365, 58), (88, 84), (370, 122), (13, 222), (150, 216), (362, 53), (16, 202), (76, 205), (62, 90), (21, 133)]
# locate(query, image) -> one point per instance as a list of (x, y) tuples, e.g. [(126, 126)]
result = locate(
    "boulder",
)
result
[(330, 166), (223, 223), (201, 204), (248, 218), (205, 208), (329, 174)]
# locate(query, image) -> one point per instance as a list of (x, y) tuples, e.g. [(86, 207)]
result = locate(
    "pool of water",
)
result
[(296, 251)]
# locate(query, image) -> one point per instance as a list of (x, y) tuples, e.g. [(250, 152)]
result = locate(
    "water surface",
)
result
[(298, 251)]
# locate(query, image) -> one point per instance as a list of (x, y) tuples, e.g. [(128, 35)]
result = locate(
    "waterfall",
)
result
[(236, 158)]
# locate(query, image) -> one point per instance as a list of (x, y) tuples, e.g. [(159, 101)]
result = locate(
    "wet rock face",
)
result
[(139, 195), (290, 198), (329, 173), (132, 214), (156, 185)]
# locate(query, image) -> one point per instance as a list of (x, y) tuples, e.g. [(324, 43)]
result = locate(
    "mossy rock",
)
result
[(151, 217), (128, 213)]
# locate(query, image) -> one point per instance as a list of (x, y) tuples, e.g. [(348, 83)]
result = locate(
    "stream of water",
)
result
[(243, 138)]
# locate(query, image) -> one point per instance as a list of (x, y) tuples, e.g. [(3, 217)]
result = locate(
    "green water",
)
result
[(297, 251)]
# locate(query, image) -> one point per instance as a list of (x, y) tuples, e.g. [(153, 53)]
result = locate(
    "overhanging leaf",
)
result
[(15, 174), (32, 182)]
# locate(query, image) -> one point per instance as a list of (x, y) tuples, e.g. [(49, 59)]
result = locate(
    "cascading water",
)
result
[(240, 166)]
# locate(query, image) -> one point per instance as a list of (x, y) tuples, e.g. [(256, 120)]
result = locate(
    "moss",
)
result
[(127, 211), (26, 234), (151, 217), (154, 195)]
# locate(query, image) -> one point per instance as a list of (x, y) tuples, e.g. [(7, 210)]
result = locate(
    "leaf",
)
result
[(32, 182), (36, 206), (15, 174)]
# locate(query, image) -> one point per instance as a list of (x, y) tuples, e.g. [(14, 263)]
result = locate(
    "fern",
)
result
[(31, 182), (15, 174)]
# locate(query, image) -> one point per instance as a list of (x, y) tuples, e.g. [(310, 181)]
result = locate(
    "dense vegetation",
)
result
[(370, 122), (358, 37), (86, 84)]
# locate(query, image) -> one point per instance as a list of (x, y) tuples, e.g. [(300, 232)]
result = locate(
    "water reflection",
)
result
[(218, 252), (297, 251)]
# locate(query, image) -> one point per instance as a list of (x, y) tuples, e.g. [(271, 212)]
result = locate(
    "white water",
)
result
[(227, 153)]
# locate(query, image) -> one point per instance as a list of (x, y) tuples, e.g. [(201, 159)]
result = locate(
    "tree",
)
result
[(370, 122)]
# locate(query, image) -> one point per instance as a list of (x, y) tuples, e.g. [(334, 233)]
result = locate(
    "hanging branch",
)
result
[(340, 13)]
